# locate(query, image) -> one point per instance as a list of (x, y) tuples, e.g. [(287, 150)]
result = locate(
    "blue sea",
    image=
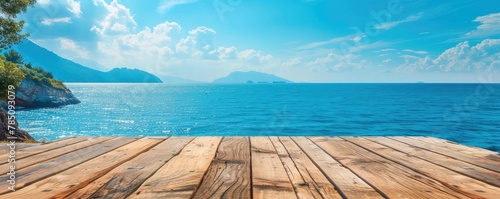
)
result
[(464, 113)]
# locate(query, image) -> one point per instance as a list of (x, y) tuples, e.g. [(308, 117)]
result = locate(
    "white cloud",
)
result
[(149, 41), (392, 24), (387, 60), (71, 47), (74, 7), (465, 58), (254, 55), (167, 4), (421, 52), (337, 62), (149, 47), (198, 43), (50, 21), (490, 25), (352, 37), (385, 50), (293, 62), (483, 57), (414, 64), (43, 2), (118, 20), (225, 52)]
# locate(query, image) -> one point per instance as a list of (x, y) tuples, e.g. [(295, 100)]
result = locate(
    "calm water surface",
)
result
[(464, 113)]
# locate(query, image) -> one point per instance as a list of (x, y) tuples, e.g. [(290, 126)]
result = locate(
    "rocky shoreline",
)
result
[(20, 134), (31, 94), (34, 95)]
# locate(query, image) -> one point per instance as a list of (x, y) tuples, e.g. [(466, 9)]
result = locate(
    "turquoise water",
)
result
[(464, 113)]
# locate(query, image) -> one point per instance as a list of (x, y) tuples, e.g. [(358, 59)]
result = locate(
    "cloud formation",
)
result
[(48, 21), (421, 52), (392, 24), (118, 19), (483, 57), (490, 25), (167, 4), (334, 62), (74, 7)]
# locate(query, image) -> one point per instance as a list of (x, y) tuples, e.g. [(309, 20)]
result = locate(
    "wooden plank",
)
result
[(128, 177), (44, 156), (29, 151), (269, 177), (229, 173), (459, 183), (5, 148), (311, 175), (481, 162), (392, 179), (348, 184), (463, 168), (471, 150), (60, 185), (302, 189), (40, 171), (180, 176)]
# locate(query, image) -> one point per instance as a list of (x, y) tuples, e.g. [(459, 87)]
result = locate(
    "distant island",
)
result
[(179, 80), (239, 77), (69, 71)]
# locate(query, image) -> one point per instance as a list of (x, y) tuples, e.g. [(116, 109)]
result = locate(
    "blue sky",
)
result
[(301, 40)]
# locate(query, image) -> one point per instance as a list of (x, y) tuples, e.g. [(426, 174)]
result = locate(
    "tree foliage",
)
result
[(10, 29), (41, 76), (10, 74), (14, 57)]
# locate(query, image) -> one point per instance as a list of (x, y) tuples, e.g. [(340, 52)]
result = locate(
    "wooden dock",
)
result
[(253, 167)]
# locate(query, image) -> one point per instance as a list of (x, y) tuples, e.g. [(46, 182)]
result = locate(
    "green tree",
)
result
[(10, 29), (10, 34), (10, 74), (14, 57)]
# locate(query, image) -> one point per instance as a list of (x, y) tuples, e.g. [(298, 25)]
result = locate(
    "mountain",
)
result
[(89, 63), (69, 71), (178, 80), (239, 77)]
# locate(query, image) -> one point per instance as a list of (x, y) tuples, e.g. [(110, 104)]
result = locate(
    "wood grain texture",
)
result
[(459, 183), (44, 156), (123, 180), (311, 174), (254, 167), (181, 175), (269, 177), (464, 168), (229, 173), (484, 162), (33, 150), (64, 183), (302, 188), (470, 150), (48, 168), (393, 180), (348, 183)]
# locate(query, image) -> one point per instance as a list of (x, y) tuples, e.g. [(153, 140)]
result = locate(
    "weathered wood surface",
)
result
[(229, 173), (59, 186), (181, 176), (269, 177), (125, 179), (454, 152), (254, 167), (37, 157), (350, 184)]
